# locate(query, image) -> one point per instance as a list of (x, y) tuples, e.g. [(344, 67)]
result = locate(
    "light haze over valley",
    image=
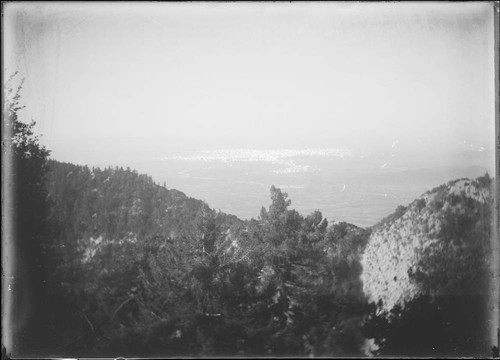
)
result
[(352, 109)]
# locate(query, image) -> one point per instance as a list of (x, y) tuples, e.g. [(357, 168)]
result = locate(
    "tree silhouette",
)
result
[(26, 168)]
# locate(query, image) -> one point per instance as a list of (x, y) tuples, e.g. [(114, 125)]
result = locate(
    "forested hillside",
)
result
[(155, 272), (116, 204)]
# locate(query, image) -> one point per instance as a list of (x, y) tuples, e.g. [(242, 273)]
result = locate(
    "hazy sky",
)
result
[(254, 74)]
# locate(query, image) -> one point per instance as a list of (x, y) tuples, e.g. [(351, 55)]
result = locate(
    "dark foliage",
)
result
[(33, 256), (427, 326), (399, 212)]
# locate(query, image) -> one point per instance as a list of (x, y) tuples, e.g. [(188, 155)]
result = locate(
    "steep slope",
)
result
[(438, 245), (95, 206)]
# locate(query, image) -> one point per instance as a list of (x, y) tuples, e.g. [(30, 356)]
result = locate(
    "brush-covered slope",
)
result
[(437, 245)]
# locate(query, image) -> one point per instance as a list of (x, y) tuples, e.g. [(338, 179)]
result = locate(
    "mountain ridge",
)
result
[(117, 203), (401, 236)]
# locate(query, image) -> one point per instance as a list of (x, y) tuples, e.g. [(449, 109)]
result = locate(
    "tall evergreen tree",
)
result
[(24, 166)]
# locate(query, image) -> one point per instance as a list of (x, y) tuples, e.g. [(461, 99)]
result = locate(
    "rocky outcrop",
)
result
[(395, 247)]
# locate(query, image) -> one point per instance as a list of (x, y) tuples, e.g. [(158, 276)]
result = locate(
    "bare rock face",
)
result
[(447, 217)]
